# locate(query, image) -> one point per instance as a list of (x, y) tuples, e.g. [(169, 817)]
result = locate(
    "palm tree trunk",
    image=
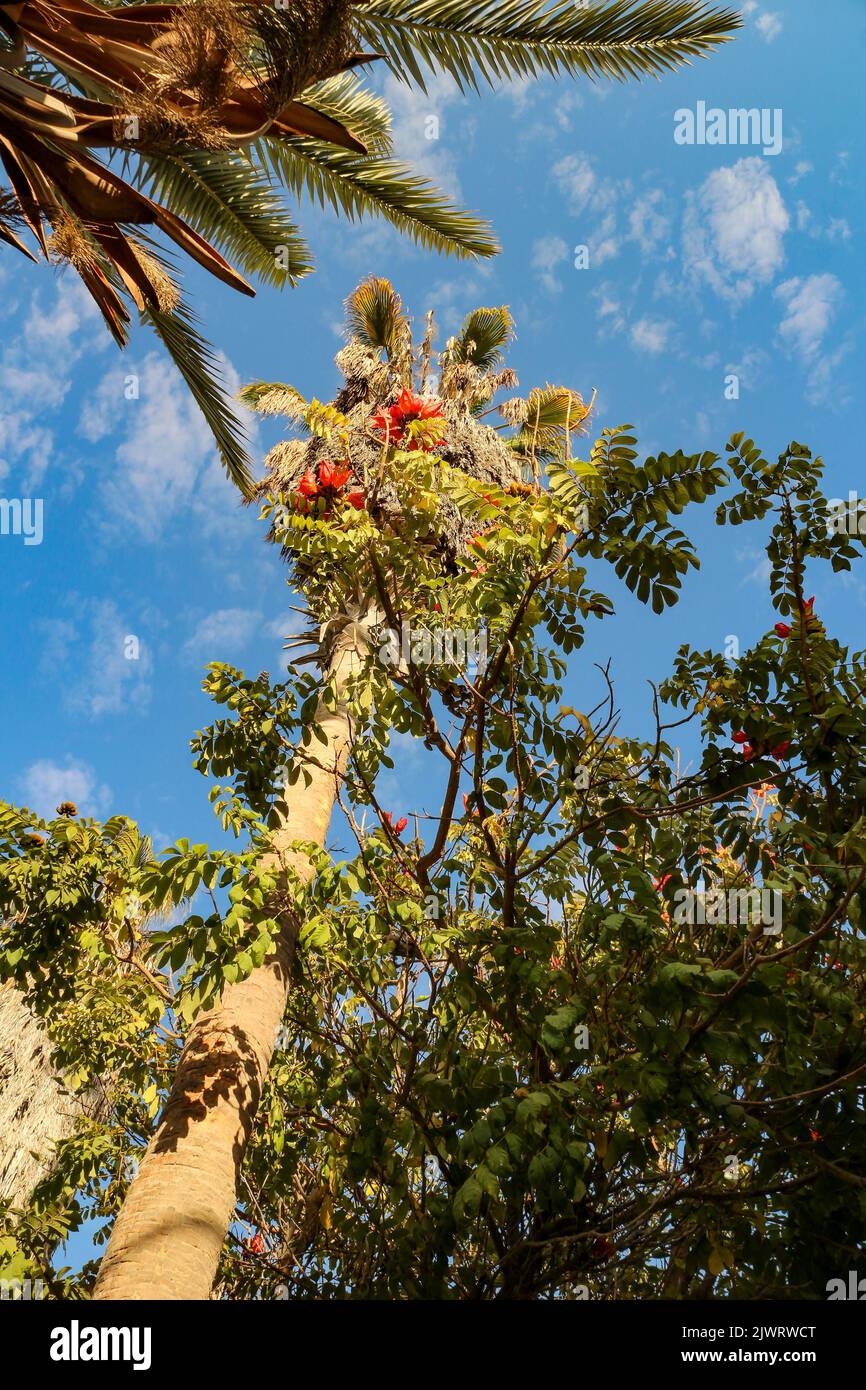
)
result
[(168, 1236), (36, 1109)]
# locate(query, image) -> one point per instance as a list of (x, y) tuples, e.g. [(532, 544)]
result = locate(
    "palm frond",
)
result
[(484, 334), (231, 202), (345, 99), (551, 413), (362, 185), (273, 398), (374, 314), (500, 39), (199, 366)]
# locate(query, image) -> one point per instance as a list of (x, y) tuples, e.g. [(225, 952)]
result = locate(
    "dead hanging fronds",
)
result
[(302, 42), (514, 411), (425, 355), (200, 52), (147, 122), (69, 244), (366, 375), (165, 292), (460, 382)]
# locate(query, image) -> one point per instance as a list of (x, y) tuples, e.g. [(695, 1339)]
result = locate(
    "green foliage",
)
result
[(511, 38), (511, 1064)]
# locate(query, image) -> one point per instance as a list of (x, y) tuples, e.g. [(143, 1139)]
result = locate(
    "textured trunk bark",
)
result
[(36, 1111), (168, 1236)]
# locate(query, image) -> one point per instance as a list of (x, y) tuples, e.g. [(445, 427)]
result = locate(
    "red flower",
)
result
[(412, 407), (401, 825), (783, 629), (333, 475), (356, 499), (814, 1136), (660, 882), (389, 423), (257, 1244), (740, 737), (387, 816), (308, 487), (780, 751), (749, 752)]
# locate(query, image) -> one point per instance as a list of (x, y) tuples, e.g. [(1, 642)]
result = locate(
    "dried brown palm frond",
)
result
[(210, 75)]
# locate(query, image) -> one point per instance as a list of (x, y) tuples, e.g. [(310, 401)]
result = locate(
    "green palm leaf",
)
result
[(345, 99), (500, 39), (374, 314), (231, 202), (358, 185), (484, 334)]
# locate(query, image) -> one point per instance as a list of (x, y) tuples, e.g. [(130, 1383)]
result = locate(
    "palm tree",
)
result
[(208, 103), (167, 1239)]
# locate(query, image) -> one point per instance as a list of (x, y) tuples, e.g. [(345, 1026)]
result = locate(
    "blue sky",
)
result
[(705, 261)]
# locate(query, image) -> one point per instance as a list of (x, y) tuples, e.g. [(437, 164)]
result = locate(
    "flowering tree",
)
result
[(584, 1025)]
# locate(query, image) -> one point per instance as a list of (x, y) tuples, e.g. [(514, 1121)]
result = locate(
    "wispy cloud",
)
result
[(45, 785), (221, 635)]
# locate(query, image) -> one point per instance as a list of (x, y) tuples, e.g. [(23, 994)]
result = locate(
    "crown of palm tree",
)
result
[(209, 103), (379, 362)]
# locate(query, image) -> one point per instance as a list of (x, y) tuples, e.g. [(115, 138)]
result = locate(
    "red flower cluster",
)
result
[(783, 629), (328, 482), (391, 422), (749, 752), (401, 823)]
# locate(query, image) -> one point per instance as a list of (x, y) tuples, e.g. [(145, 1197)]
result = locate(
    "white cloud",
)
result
[(734, 229), (609, 308), (769, 25), (838, 229), (603, 245), (46, 784), (548, 253), (801, 169), (165, 467), (424, 133), (648, 225), (579, 182), (59, 328), (103, 667), (650, 335), (810, 307), (226, 628)]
